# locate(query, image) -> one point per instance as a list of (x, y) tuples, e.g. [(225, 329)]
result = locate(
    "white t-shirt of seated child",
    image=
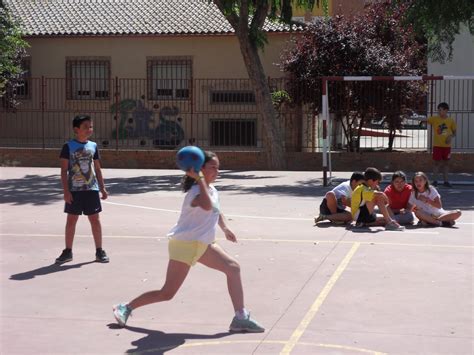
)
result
[(195, 223), (344, 189), (425, 207)]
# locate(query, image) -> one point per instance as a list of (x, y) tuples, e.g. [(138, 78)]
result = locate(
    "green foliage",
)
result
[(12, 50), (439, 22), (252, 13), (280, 97), (377, 43)]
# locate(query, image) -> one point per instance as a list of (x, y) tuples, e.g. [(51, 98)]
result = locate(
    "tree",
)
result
[(375, 42), (247, 18), (12, 51), (439, 22)]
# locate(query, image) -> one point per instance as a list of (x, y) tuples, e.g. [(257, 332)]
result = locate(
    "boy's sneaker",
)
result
[(245, 325), (320, 218), (101, 256), (447, 184), (121, 313), (65, 256), (394, 226), (447, 223), (434, 183)]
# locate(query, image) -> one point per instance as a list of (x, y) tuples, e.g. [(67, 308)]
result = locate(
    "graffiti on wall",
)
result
[(138, 122)]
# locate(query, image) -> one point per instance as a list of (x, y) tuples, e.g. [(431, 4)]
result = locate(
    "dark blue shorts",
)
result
[(324, 209), (84, 202), (365, 216)]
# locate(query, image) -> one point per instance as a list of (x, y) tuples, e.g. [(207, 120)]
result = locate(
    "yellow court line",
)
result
[(291, 343), (231, 342)]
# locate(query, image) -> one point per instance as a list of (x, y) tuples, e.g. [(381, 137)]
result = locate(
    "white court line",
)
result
[(244, 216), (142, 207), (227, 215)]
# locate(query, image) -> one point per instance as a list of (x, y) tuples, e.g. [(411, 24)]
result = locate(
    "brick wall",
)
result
[(165, 159)]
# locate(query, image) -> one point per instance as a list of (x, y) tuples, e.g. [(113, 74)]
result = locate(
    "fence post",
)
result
[(429, 135), (325, 117), (42, 110), (117, 125), (191, 139)]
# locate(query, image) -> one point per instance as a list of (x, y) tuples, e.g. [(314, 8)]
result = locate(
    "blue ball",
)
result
[(190, 157)]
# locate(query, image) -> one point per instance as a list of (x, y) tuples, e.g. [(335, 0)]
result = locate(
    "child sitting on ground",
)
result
[(427, 203), (398, 193), (334, 203), (364, 199)]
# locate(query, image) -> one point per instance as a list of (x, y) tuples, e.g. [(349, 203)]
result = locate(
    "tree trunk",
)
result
[(273, 141), (391, 138), (359, 132), (292, 118)]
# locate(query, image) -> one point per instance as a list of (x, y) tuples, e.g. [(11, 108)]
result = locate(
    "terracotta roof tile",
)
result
[(122, 17)]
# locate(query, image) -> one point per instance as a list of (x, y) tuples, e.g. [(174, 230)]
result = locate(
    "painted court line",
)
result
[(236, 215), (232, 342), (227, 215), (141, 207), (291, 343), (264, 240)]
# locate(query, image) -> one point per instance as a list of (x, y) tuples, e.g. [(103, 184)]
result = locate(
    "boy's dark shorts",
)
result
[(324, 209), (84, 202), (365, 216)]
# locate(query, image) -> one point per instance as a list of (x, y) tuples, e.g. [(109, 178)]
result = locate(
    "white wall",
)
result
[(463, 57), (458, 93)]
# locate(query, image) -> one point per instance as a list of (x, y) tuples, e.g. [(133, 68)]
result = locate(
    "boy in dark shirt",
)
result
[(81, 178)]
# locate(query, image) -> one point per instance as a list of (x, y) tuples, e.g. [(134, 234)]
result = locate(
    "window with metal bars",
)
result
[(232, 97), (88, 79), (233, 132), (169, 78)]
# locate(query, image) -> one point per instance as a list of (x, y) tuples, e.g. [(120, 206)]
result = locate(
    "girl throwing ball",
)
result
[(192, 240)]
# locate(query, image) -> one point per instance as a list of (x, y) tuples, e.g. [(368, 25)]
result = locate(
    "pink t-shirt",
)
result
[(398, 200)]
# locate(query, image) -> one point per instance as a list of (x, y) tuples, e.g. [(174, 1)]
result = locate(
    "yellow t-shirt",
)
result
[(361, 194), (442, 128)]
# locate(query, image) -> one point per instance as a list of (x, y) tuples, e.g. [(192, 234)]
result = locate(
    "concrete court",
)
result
[(318, 290)]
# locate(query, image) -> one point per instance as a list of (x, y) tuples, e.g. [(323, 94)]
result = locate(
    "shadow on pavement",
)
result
[(35, 189), (45, 270), (43, 190), (157, 342)]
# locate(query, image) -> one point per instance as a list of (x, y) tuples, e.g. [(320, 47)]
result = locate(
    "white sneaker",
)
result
[(394, 226)]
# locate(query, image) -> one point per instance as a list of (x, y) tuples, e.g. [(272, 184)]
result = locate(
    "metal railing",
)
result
[(222, 114)]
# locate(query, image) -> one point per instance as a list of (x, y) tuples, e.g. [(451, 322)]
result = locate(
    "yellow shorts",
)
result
[(188, 252)]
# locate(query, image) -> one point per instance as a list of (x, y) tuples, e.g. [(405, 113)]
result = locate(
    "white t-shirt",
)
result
[(343, 189), (424, 207), (195, 223)]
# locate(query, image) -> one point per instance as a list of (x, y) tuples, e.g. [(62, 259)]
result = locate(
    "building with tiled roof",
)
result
[(168, 71), (122, 17)]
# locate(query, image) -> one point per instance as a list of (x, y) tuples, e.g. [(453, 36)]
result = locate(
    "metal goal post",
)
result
[(326, 122)]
